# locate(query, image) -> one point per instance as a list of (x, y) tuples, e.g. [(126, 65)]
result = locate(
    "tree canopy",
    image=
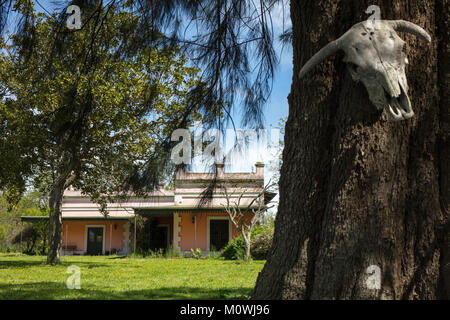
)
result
[(80, 107), (231, 40)]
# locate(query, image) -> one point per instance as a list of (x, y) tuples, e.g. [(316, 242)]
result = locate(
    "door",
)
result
[(218, 234), (160, 237), (95, 241)]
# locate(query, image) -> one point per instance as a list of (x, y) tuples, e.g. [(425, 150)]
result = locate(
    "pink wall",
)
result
[(188, 240), (190, 237), (76, 234)]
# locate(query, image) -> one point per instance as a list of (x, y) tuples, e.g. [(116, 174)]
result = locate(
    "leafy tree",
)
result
[(32, 203), (89, 115), (33, 237)]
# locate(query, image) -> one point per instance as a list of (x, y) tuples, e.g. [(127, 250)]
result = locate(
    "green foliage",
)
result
[(80, 110), (9, 249), (261, 241), (118, 278), (33, 238), (31, 204), (89, 109), (197, 253), (142, 232), (156, 253), (145, 245), (171, 253), (233, 41), (214, 255), (234, 250), (140, 253), (261, 244)]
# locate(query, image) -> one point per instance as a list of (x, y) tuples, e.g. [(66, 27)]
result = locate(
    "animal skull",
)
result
[(376, 56)]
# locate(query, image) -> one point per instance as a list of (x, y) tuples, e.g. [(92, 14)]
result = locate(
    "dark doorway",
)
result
[(160, 237), (94, 240), (218, 234)]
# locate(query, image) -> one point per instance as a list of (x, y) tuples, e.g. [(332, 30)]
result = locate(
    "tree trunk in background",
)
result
[(55, 202), (357, 190), (64, 177)]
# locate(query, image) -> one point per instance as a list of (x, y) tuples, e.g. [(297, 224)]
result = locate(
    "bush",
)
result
[(234, 250), (157, 253), (9, 249), (213, 256), (34, 238), (172, 253), (197, 253), (261, 243)]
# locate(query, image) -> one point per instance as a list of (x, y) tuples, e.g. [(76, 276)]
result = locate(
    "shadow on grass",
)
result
[(20, 263), (58, 290), (116, 257), (4, 264)]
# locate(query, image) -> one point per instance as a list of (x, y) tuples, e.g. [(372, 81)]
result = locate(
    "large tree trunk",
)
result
[(55, 202), (357, 190), (63, 180)]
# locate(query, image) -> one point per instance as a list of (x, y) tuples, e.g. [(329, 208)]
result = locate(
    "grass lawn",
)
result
[(114, 277)]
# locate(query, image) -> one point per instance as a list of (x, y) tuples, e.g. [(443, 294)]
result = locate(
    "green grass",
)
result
[(114, 277)]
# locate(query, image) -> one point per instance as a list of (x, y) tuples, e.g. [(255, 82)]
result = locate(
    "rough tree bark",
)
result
[(55, 201), (63, 180), (355, 189)]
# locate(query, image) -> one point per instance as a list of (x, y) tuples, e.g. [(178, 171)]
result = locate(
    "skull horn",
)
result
[(406, 26), (330, 49)]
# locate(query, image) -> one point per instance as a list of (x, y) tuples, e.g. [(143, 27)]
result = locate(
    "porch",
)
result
[(93, 236), (189, 229), (179, 230)]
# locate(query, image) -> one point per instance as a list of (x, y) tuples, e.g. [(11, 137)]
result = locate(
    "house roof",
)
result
[(68, 218), (187, 196)]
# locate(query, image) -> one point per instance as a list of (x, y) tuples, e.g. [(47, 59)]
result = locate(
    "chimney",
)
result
[(259, 169), (219, 169), (180, 172)]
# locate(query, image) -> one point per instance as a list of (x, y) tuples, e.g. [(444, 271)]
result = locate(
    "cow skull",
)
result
[(376, 56)]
